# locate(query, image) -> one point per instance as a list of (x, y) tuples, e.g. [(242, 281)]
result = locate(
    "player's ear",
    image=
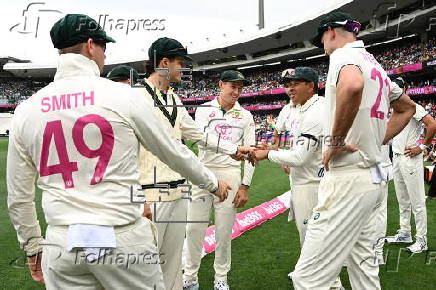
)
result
[(164, 63), (221, 84)]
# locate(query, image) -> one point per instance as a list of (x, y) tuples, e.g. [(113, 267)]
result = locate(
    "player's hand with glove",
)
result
[(222, 191), (412, 151), (34, 263), (241, 196)]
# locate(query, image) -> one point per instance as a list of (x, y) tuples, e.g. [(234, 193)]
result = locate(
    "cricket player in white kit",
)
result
[(409, 178), (80, 135), (169, 206), (304, 156), (228, 120), (285, 121), (342, 227)]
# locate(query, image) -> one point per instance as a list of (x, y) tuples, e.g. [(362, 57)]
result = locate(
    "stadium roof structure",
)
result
[(283, 44)]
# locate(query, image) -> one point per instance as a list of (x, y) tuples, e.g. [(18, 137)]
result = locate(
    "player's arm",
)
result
[(249, 138), (21, 174), (349, 90), (403, 110), (423, 116), (348, 98), (430, 125), (157, 139)]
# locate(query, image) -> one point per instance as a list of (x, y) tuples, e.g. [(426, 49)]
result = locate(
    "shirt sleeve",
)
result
[(395, 91), (280, 123), (301, 153), (249, 139), (306, 145), (420, 113), (340, 58), (21, 173), (157, 139), (194, 131)]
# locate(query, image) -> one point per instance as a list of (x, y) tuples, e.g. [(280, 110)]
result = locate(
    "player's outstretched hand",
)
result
[(35, 267), (242, 153), (241, 196), (222, 191), (333, 151)]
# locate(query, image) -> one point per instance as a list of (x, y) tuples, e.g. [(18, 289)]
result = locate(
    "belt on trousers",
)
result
[(171, 184)]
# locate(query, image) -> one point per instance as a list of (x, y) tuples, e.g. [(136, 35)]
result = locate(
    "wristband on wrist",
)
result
[(422, 146)]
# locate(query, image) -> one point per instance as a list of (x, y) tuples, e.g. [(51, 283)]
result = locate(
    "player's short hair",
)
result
[(77, 49)]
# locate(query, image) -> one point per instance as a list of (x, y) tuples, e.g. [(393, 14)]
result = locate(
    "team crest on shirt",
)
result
[(237, 115)]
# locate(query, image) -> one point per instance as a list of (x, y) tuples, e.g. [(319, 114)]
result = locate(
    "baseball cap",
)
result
[(122, 72), (336, 19), (234, 76), (73, 29), (167, 47), (301, 73)]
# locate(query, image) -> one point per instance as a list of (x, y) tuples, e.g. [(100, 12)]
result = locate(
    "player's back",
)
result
[(78, 132), (369, 126)]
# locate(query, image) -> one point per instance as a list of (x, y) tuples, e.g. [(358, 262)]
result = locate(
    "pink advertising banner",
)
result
[(422, 91), (247, 220)]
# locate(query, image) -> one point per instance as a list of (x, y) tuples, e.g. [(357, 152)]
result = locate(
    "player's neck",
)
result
[(226, 106), (161, 83)]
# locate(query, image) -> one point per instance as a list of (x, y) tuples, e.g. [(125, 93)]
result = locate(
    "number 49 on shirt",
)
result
[(54, 132)]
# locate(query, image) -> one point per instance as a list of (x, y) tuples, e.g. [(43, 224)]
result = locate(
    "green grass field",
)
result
[(261, 258)]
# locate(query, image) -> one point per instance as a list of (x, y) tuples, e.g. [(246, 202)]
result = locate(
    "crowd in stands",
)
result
[(388, 58), (16, 90)]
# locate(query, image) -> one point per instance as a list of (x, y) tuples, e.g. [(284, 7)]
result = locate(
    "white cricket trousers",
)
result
[(409, 188), (341, 231), (304, 199), (169, 218), (134, 264), (382, 219), (199, 210)]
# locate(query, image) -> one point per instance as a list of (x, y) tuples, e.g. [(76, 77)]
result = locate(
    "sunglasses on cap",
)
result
[(288, 72), (348, 25)]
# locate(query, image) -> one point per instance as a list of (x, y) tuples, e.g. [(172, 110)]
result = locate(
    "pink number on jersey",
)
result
[(65, 167), (107, 143), (374, 109)]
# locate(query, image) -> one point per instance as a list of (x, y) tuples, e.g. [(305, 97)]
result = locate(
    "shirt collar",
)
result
[(74, 64), (355, 44), (308, 103), (158, 92)]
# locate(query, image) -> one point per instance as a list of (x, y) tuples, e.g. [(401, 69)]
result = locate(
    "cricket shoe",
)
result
[(221, 285), (419, 246), (400, 237), (190, 285)]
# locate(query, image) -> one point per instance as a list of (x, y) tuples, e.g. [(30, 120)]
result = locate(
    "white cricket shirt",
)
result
[(235, 126), (369, 127)]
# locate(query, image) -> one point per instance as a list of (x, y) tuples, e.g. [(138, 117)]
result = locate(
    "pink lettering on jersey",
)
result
[(67, 101), (45, 102), (212, 114), (103, 153), (59, 103), (369, 57), (90, 98)]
